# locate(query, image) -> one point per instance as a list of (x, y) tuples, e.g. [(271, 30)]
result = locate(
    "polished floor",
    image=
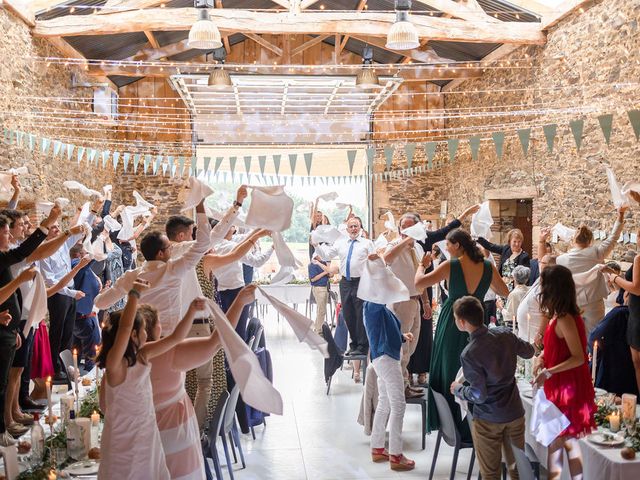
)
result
[(318, 437)]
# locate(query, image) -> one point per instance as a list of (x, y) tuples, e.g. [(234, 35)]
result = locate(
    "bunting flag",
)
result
[(164, 169), (125, 160), (136, 161), (171, 166), (105, 157), (452, 145), (181, 166), (474, 145), (31, 141), (262, 162), (157, 164), (371, 155), (606, 124), (634, 119), (147, 161), (57, 145), (7, 136), (44, 144), (70, 148), (498, 141), (524, 135), (80, 153), (115, 158), (276, 163), (218, 163), (576, 127), (205, 164), (388, 153), (550, 134), (247, 164), (430, 150), (351, 159), (293, 159), (308, 159), (410, 150), (232, 165)]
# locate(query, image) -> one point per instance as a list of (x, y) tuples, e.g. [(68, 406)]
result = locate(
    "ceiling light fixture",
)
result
[(402, 34), (204, 35), (220, 79), (367, 78)]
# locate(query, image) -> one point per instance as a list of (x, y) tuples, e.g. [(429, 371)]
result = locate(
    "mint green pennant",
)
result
[(80, 153), (606, 124), (577, 127), (452, 145), (388, 154), (371, 155), (430, 150), (247, 164), (180, 169), (205, 163), (474, 145), (525, 136), (147, 161), (410, 150), (116, 159), (308, 160), (262, 162), (293, 158), (218, 163), (550, 135), (125, 160), (44, 144), (31, 141), (136, 161), (232, 165), (276, 163), (498, 141), (57, 145), (634, 119), (105, 156), (351, 159)]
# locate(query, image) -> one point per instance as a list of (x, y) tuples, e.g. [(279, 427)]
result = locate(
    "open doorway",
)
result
[(513, 213)]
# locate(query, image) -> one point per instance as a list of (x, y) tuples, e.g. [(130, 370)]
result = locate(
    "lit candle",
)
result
[(594, 362), (95, 418), (96, 367), (614, 422), (528, 327), (513, 323), (629, 402), (48, 387), (75, 361)]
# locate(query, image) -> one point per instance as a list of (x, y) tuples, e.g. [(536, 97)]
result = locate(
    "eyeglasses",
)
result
[(166, 248)]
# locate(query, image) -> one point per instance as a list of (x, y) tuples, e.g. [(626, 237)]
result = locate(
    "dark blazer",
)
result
[(505, 252), (11, 257), (535, 271)]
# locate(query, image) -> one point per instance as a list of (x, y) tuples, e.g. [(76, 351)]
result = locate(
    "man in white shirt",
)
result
[(530, 317), (403, 255), (353, 251)]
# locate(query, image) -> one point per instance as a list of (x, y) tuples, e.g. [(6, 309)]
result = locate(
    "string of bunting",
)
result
[(177, 165)]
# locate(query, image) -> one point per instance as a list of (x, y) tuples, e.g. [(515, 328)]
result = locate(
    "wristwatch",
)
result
[(66, 232), (237, 204)]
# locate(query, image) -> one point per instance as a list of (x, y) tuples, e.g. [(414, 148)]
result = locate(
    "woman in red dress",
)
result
[(565, 376)]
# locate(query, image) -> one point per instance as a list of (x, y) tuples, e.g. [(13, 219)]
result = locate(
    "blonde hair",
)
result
[(583, 236), (514, 232)]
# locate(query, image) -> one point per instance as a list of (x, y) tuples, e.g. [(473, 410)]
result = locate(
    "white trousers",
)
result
[(204, 374), (391, 404), (408, 312)]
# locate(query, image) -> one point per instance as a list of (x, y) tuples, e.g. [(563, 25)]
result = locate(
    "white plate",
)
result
[(598, 439), (86, 467)]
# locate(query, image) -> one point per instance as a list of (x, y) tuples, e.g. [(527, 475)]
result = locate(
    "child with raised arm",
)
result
[(131, 444)]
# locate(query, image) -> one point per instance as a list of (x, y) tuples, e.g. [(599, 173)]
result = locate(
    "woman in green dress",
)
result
[(467, 273)]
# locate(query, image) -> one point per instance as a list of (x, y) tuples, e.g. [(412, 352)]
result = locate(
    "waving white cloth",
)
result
[(107, 188), (35, 303), (417, 232), (590, 285), (381, 242), (442, 245), (45, 207), (111, 224), (97, 249), (328, 197), (5, 178), (379, 285), (301, 325), (283, 252), (84, 213), (325, 234), (284, 275), (464, 405), (128, 215), (630, 187), (239, 221), (87, 192), (481, 222), (564, 233), (270, 208), (197, 192), (547, 421), (256, 389), (389, 223), (619, 199), (342, 206), (141, 202)]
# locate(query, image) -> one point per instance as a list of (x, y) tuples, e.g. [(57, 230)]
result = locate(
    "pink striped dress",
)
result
[(176, 420)]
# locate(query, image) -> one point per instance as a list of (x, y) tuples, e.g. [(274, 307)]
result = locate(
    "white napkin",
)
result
[(481, 222), (630, 187), (97, 249), (381, 242), (619, 199), (564, 233), (10, 460), (256, 389), (547, 421), (5, 178), (45, 207), (128, 215), (590, 285), (141, 202), (111, 224), (107, 188), (442, 245), (284, 275), (87, 192), (270, 208), (328, 197), (35, 302), (197, 191), (464, 405), (417, 232), (18, 171), (379, 285), (283, 252), (239, 221), (342, 206), (389, 223), (325, 234), (301, 325)]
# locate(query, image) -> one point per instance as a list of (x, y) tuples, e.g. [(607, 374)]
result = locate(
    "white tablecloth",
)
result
[(599, 463), (289, 294)]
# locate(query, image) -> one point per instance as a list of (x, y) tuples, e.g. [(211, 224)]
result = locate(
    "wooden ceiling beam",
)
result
[(225, 40), (421, 54), (114, 5), (265, 43), (308, 22), (152, 39), (309, 44), (562, 10), (359, 8), (304, 4), (459, 10), (21, 9)]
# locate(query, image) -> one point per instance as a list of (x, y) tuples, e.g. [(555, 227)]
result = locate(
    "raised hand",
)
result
[(198, 304), (427, 260), (247, 295), (241, 194), (5, 318), (53, 216), (469, 211), (27, 274)]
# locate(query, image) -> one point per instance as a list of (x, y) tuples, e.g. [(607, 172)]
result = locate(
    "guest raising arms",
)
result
[(511, 254)]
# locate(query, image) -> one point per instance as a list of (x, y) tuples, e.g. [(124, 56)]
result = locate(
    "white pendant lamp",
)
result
[(204, 35), (367, 78), (402, 34), (220, 79)]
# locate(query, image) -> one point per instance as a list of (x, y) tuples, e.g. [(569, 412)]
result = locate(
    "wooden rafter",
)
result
[(149, 54), (459, 10), (265, 43), (282, 3), (359, 8), (422, 54), (225, 40), (152, 39), (111, 5), (21, 9), (307, 22), (304, 4), (309, 44)]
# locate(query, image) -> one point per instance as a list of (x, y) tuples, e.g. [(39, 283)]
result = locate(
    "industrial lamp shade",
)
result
[(402, 36), (220, 80), (204, 35), (367, 79)]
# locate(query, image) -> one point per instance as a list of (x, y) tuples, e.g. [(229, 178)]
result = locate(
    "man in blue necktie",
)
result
[(353, 251)]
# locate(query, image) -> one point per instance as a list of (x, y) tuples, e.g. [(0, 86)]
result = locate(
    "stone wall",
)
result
[(24, 87), (590, 62)]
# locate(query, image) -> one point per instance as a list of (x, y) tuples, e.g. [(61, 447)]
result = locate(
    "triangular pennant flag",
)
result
[(147, 161), (314, 181), (232, 165), (388, 154), (115, 158), (70, 148), (524, 135), (371, 155), (7, 136), (498, 141), (136, 161), (550, 134), (262, 161), (308, 160), (31, 141), (293, 158), (474, 145), (91, 156), (576, 127), (276, 163), (410, 150), (173, 170), (217, 165), (80, 153), (634, 118), (57, 145), (180, 166), (170, 160), (430, 150), (606, 123), (247, 164), (125, 160), (205, 163), (351, 159), (44, 144), (164, 169), (452, 145), (224, 177), (105, 156)]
